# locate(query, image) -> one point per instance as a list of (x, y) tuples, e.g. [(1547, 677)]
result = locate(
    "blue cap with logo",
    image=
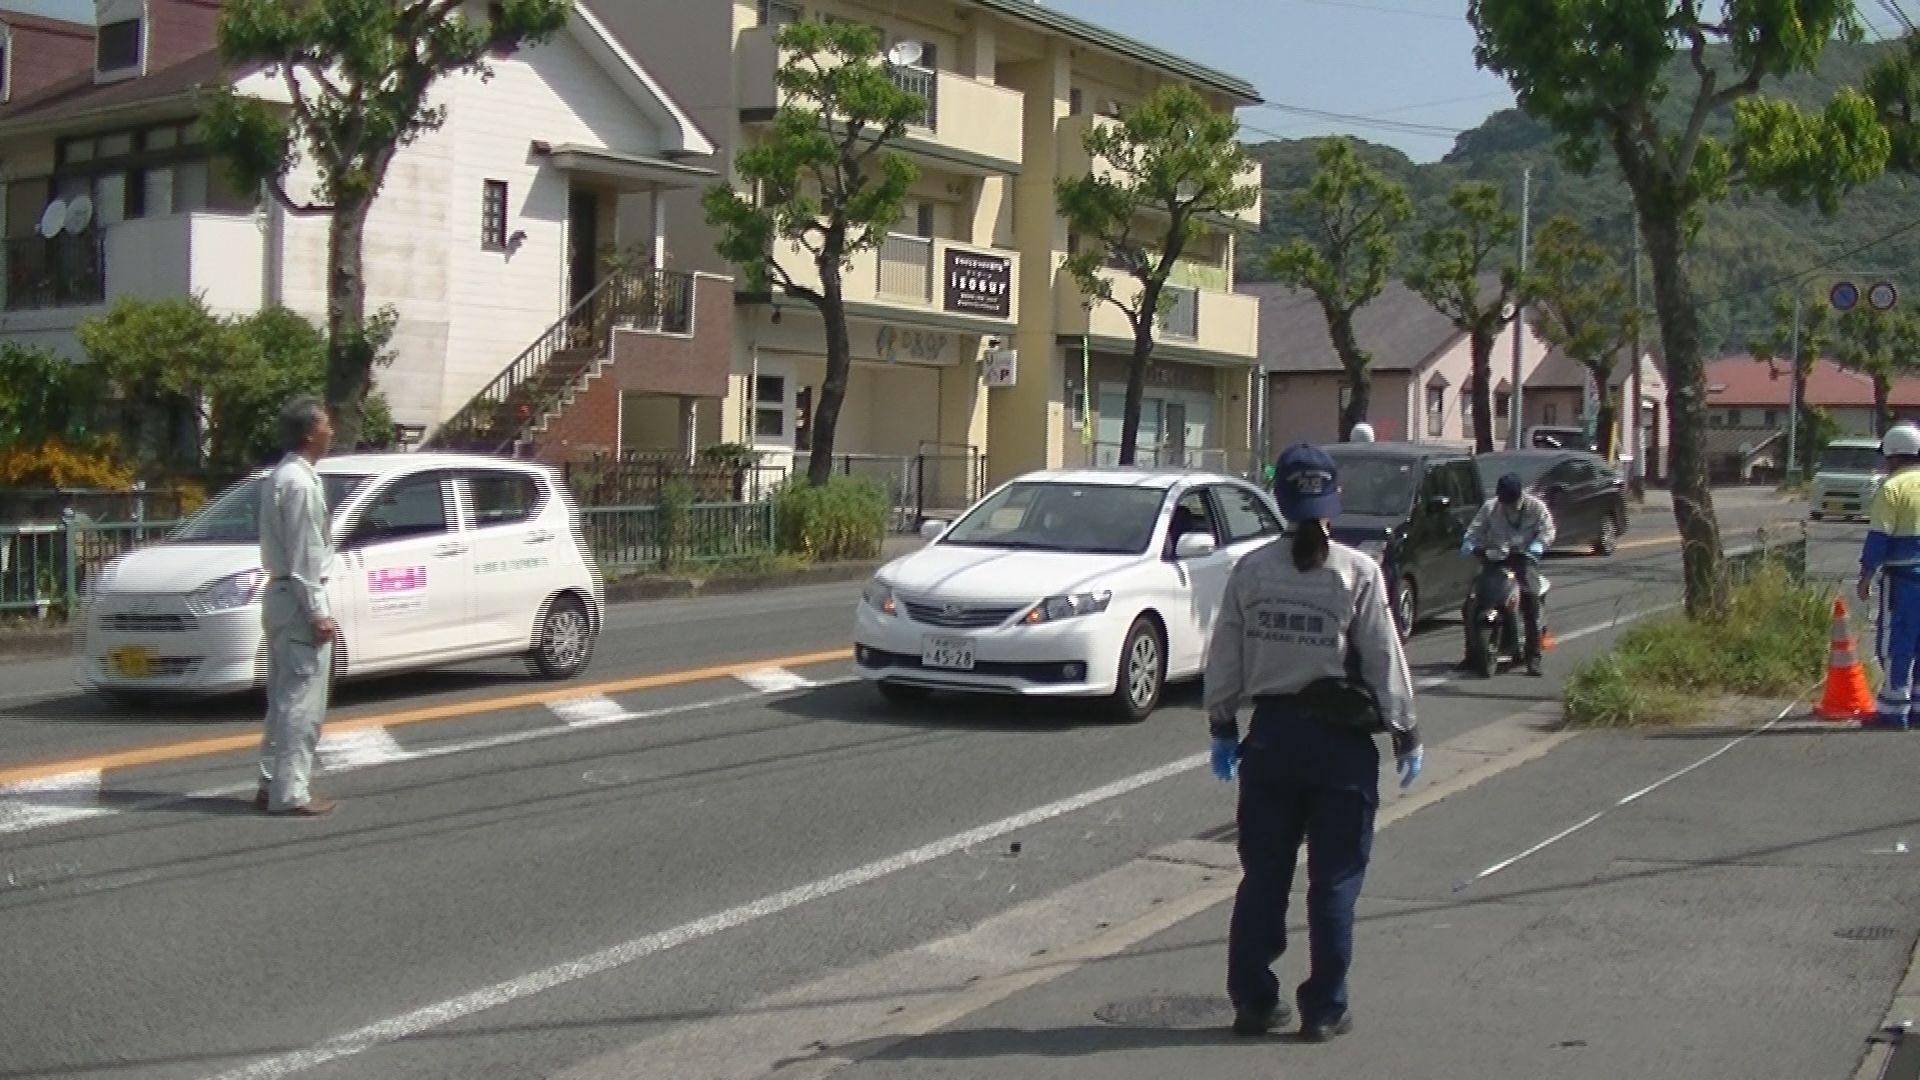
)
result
[(1306, 483)]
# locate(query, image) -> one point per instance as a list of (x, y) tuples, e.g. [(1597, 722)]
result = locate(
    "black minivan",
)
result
[(1409, 507)]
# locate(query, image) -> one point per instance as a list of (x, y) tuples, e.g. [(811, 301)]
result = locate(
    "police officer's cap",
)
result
[(1306, 483)]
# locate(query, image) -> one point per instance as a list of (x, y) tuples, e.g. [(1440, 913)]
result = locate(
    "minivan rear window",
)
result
[(234, 517)]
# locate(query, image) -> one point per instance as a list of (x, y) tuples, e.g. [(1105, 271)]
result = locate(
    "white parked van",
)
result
[(440, 558)]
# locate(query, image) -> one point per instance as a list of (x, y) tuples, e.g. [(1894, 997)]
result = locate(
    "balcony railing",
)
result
[(66, 271), (1181, 317), (906, 268), (926, 83)]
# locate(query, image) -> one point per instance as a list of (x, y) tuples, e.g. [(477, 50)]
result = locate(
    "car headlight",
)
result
[(98, 581), (1055, 608), (236, 591), (880, 598)]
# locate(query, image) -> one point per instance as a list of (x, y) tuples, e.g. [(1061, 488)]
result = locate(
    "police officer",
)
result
[(1516, 520), (300, 629), (1892, 553), (1304, 635)]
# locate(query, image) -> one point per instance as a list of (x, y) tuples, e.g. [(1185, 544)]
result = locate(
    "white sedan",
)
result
[(440, 558), (1099, 583)]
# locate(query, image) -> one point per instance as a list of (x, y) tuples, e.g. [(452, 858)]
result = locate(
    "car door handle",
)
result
[(540, 537), (449, 550)]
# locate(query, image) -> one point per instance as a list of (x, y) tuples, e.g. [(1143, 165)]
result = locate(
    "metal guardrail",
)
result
[(1181, 316), (657, 537), (46, 568), (924, 82)]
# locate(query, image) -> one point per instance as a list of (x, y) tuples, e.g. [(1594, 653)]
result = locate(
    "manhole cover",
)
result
[(1178, 1012), (1868, 933)]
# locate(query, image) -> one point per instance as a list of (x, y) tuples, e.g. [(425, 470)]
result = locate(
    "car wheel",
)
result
[(1406, 607), (566, 639), (1142, 672), (1608, 540), (902, 696)]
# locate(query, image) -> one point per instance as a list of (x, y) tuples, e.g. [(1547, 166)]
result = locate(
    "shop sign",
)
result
[(979, 284), (903, 345)]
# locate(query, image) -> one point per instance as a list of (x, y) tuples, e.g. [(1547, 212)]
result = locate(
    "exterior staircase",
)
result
[(517, 405)]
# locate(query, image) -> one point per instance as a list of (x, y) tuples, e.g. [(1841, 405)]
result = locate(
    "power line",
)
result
[(1383, 9), (1790, 279), (1407, 127), (1900, 16)]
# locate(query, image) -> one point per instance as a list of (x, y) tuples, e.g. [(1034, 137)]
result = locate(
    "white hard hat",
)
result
[(1901, 440), (1363, 432)]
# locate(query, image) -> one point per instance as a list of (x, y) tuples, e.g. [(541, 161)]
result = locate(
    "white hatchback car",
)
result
[(440, 558), (1099, 583)]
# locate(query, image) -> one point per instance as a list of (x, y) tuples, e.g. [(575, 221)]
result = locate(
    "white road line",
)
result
[(1648, 790), (592, 710), (1434, 682), (359, 749), (445, 1012), (775, 680), (51, 801)]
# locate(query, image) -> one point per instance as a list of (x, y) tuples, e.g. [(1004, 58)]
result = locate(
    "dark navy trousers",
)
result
[(1300, 779)]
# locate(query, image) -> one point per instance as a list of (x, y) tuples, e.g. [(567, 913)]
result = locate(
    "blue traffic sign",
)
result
[(1844, 296)]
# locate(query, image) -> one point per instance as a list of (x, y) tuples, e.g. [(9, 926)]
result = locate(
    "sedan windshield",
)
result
[(1376, 486), (234, 517), (1101, 519), (1855, 459)]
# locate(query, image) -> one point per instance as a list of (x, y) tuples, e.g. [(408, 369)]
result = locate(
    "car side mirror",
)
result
[(1439, 504), (931, 529), (1194, 545)]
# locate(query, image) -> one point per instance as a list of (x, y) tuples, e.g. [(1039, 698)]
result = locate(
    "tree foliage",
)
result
[(1599, 72), (1581, 303), (821, 185), (1169, 164), (1357, 211), (45, 397), (358, 75), (1882, 345), (1466, 266)]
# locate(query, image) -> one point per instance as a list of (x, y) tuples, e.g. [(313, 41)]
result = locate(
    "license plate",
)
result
[(954, 654), (131, 662)]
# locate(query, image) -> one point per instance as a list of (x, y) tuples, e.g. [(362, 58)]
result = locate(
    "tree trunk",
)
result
[(1603, 420), (1137, 372), (1687, 412), (1803, 423), (833, 392), (1482, 348), (1882, 411), (1359, 366), (349, 353)]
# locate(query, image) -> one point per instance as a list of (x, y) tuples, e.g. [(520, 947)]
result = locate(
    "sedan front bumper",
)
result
[(1076, 657), (136, 644)]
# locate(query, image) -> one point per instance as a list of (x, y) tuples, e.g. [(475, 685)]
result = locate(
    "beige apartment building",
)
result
[(972, 346)]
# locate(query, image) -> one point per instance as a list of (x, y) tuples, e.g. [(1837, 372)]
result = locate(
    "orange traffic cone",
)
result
[(1547, 644), (1846, 697)]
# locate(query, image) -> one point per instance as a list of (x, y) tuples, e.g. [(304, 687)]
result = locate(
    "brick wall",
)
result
[(179, 30), (591, 425), (45, 52)]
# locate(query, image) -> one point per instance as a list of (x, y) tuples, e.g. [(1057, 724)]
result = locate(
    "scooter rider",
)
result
[(1518, 521), (1304, 635)]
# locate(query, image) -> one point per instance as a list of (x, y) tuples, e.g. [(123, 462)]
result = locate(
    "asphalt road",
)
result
[(515, 884)]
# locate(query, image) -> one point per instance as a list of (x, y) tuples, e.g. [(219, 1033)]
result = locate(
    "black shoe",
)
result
[(1260, 1021), (1324, 1030), (1533, 668)]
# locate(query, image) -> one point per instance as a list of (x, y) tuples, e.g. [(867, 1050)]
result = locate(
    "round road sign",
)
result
[(1882, 295), (1844, 296)]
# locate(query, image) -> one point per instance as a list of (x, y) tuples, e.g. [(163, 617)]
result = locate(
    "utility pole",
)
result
[(1793, 408), (1638, 481), (1516, 409)]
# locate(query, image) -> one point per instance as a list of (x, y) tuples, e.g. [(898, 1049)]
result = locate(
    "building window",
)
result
[(770, 407), (777, 13), (1436, 411), (1550, 414), (1076, 101), (1771, 418), (6, 84), (118, 45), (1466, 411), (1502, 404), (1734, 417), (493, 215)]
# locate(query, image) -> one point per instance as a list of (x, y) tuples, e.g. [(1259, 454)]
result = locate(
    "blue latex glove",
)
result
[(1466, 546), (1536, 549), (1223, 757), (1409, 765)]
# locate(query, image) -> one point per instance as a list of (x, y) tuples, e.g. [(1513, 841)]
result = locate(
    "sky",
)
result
[(1398, 72)]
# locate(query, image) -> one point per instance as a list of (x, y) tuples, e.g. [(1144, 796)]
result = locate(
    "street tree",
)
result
[(1880, 345), (1465, 266), (1582, 305), (1776, 349), (358, 76), (1600, 73), (1356, 213), (823, 185), (1169, 164)]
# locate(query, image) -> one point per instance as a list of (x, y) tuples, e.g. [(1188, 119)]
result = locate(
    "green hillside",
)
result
[(1747, 244)]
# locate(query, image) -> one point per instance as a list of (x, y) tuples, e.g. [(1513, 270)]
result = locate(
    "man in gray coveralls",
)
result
[(296, 555)]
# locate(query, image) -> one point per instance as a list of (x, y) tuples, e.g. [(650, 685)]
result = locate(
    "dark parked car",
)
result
[(1409, 506), (1587, 496)]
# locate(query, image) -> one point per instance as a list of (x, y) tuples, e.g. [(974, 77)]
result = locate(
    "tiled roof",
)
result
[(80, 95), (42, 23), (1741, 381), (1399, 328)]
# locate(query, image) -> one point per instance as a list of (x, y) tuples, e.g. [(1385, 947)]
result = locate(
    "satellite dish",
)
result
[(905, 53), (79, 213), (53, 219)]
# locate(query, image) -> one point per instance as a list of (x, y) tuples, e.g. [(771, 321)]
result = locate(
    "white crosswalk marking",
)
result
[(776, 680), (359, 749), (590, 711), (54, 800)]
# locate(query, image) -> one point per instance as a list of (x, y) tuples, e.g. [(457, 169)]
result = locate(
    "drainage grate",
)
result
[(1175, 1012), (1868, 933)]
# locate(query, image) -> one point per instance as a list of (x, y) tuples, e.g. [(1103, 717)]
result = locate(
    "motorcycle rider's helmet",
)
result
[(1901, 440), (1510, 488)]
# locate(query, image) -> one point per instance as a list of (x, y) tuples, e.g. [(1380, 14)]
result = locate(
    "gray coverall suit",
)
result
[(296, 557)]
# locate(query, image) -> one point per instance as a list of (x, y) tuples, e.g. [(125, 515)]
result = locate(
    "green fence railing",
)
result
[(45, 568), (659, 536)]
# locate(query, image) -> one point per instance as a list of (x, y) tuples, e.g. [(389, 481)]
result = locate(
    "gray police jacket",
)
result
[(1279, 630)]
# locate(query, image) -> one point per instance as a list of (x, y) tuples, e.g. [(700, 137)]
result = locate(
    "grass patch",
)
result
[(1670, 670)]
